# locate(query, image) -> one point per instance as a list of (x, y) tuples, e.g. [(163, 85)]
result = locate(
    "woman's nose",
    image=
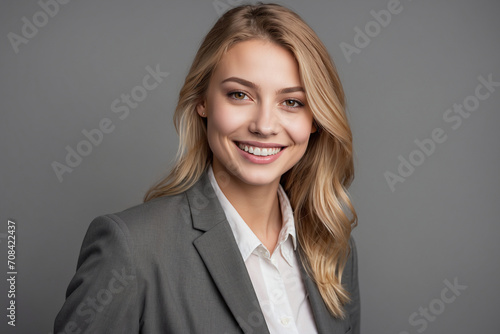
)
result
[(265, 120)]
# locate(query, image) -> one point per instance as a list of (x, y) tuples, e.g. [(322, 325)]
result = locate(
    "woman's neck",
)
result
[(258, 206)]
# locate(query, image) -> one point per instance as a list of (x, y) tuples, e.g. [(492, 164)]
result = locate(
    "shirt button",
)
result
[(285, 321)]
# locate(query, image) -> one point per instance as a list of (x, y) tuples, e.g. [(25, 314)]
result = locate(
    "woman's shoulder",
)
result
[(170, 207), (142, 223), (163, 218), (154, 210)]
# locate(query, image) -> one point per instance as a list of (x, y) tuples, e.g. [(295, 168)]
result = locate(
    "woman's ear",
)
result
[(201, 108)]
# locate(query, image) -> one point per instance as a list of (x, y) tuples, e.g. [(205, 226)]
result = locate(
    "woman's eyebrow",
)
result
[(256, 87), (291, 90), (242, 81)]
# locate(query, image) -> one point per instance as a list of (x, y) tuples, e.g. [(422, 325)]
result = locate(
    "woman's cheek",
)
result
[(300, 130), (226, 118)]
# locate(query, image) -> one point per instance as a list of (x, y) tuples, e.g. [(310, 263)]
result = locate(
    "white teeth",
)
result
[(264, 152)]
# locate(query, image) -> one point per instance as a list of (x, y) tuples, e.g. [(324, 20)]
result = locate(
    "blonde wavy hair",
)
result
[(317, 184)]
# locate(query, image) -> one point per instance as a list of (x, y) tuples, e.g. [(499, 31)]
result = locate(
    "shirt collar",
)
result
[(245, 238)]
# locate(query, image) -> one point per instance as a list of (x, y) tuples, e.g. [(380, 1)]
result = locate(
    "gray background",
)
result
[(440, 224)]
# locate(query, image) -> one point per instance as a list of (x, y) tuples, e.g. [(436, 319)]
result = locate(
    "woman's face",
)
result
[(258, 122)]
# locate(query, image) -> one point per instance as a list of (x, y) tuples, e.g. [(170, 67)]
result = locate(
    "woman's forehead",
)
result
[(259, 61)]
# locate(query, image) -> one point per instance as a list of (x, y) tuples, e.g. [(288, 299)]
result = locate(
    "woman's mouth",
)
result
[(259, 151)]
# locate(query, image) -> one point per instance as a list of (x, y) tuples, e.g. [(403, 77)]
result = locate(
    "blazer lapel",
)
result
[(325, 322), (219, 251)]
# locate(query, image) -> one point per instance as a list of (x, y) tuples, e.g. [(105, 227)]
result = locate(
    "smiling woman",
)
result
[(251, 230)]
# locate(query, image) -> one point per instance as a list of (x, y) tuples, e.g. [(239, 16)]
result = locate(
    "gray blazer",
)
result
[(172, 265)]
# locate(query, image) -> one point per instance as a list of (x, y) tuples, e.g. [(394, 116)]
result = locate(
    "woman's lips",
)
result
[(260, 153)]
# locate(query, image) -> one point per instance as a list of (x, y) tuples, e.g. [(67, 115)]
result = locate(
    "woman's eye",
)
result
[(292, 103), (238, 95)]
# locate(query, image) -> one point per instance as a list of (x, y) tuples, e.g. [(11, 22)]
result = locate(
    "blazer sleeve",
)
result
[(353, 308), (102, 297)]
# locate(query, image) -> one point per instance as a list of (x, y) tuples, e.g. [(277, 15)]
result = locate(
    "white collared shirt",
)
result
[(276, 278)]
